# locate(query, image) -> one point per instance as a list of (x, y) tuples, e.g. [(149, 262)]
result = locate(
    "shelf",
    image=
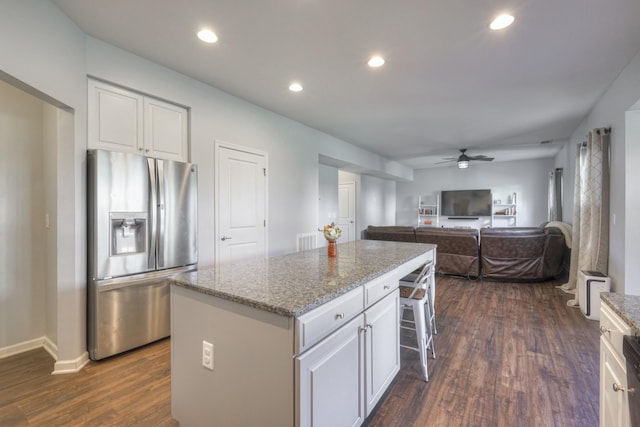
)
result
[(428, 210)]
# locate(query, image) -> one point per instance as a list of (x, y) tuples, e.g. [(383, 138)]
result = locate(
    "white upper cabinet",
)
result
[(165, 130), (126, 121)]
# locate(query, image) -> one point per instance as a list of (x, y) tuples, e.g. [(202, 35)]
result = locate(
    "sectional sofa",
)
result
[(509, 253)]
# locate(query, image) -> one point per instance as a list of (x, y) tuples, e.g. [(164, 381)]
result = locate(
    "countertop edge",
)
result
[(625, 306), (233, 298), (185, 282)]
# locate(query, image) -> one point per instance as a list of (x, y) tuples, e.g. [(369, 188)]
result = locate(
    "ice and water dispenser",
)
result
[(128, 233)]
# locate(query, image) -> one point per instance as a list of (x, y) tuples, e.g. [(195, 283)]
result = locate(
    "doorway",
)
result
[(347, 210), (28, 212)]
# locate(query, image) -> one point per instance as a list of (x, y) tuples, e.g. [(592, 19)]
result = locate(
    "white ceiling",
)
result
[(449, 82)]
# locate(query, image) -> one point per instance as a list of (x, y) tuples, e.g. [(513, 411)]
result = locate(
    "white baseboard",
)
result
[(51, 348), (60, 367), (71, 366), (27, 346)]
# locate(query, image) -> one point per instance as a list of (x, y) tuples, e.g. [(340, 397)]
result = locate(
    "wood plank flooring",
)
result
[(508, 354)]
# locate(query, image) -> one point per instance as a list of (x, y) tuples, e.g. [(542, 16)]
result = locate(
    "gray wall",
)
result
[(327, 199), (527, 178), (611, 110), (378, 202)]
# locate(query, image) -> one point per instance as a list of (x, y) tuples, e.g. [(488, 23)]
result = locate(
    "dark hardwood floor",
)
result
[(508, 354)]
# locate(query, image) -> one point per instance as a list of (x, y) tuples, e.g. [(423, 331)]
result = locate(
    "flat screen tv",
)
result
[(466, 203)]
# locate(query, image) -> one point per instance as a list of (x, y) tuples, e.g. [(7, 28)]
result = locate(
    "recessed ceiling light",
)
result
[(207, 36), (376, 61), (295, 87), (501, 22)]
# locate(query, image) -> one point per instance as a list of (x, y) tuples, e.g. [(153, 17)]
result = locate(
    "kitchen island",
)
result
[(297, 340)]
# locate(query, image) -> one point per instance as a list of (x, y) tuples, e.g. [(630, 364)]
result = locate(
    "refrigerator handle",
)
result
[(153, 208), (161, 213)]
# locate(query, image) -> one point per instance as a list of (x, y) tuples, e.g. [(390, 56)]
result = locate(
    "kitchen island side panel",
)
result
[(253, 376)]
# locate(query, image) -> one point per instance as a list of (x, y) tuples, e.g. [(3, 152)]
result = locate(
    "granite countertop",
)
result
[(293, 284), (626, 306)]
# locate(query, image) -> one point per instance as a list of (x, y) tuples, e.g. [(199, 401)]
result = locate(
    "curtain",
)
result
[(555, 195), (590, 246)]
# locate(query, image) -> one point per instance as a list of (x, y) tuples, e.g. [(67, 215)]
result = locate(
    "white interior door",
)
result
[(347, 211), (241, 204)]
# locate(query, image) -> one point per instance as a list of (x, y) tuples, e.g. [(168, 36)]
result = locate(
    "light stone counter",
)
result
[(626, 306), (293, 284)]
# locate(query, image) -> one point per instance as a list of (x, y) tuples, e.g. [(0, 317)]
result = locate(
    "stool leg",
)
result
[(432, 311), (432, 300), (419, 317), (429, 342)]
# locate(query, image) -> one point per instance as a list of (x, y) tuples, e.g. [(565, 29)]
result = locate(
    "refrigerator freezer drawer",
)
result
[(123, 317)]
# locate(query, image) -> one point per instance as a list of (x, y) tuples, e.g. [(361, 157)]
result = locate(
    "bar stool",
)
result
[(417, 295)]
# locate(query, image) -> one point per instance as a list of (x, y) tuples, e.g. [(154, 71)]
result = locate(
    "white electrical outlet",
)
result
[(207, 355)]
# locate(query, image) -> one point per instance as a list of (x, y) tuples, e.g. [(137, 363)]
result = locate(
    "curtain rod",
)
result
[(605, 131)]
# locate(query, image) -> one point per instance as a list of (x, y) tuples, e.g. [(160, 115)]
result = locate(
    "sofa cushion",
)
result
[(457, 249), (524, 253)]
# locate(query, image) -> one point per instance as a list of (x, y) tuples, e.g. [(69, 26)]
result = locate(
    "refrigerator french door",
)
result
[(142, 229)]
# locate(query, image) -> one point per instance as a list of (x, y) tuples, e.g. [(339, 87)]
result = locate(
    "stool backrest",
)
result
[(423, 279)]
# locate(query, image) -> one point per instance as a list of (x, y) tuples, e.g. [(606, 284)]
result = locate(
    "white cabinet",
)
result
[(330, 379), (126, 121), (341, 379), (382, 348), (614, 405)]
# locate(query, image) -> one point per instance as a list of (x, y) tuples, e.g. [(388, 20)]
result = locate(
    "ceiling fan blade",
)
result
[(481, 157), (446, 161)]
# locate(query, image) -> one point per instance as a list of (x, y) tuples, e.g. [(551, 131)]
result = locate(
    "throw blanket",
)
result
[(565, 228)]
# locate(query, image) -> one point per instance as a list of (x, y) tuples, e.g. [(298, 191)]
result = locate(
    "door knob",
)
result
[(225, 238)]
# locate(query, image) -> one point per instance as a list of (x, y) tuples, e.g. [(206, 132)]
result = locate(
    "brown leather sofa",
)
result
[(509, 253), (457, 251), (457, 248), (521, 253)]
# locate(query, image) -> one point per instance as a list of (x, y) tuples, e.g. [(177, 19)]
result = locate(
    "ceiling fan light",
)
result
[(463, 164)]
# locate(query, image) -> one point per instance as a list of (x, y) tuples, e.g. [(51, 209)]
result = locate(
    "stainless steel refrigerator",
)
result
[(142, 228)]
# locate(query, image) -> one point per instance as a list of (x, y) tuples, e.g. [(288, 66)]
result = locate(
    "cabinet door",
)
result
[(115, 118), (614, 409), (165, 130), (382, 354), (329, 380)]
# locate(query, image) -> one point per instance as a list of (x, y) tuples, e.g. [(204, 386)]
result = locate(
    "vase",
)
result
[(332, 249)]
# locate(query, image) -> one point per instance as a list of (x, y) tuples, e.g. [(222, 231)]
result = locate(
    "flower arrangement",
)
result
[(331, 232)]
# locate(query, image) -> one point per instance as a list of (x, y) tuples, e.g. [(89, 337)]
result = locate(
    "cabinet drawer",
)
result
[(320, 322), (613, 328), (380, 287)]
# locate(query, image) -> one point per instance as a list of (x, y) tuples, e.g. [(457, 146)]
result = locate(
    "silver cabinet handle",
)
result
[(225, 238), (386, 287), (339, 316), (617, 388), (604, 330)]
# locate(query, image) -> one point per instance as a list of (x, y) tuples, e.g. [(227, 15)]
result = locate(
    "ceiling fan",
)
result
[(463, 159)]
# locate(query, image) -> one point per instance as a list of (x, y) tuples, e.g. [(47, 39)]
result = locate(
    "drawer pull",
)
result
[(386, 287), (604, 330), (617, 388), (339, 316)]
